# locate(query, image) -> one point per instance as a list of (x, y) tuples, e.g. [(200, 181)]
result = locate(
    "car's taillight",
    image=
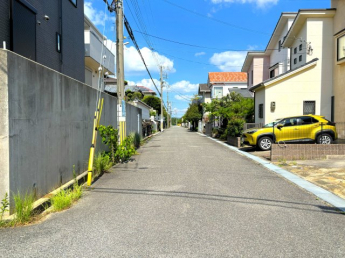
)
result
[(330, 123)]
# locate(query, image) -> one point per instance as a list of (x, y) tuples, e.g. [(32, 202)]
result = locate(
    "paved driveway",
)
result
[(186, 196)]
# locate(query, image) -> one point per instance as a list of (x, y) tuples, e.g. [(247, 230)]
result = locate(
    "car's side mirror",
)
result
[(279, 126)]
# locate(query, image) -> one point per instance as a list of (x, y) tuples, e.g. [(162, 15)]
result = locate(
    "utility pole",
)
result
[(168, 124), (121, 105), (161, 73)]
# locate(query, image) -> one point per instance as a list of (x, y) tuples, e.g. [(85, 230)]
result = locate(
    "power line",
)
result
[(131, 35), (192, 45)]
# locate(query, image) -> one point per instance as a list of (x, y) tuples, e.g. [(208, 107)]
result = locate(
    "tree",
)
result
[(130, 95), (193, 114), (155, 103), (232, 111)]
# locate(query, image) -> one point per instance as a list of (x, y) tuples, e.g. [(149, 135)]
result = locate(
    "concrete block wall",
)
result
[(305, 151), (46, 125), (132, 117)]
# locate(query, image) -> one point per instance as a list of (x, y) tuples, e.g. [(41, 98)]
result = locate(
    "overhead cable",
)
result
[(131, 35)]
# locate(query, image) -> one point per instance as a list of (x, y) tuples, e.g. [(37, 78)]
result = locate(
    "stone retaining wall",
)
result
[(305, 151)]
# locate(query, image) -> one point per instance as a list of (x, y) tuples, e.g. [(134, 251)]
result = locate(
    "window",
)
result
[(308, 107), (295, 61), (280, 45), (58, 42), (306, 120), (252, 76), (300, 47), (218, 92), (261, 110), (74, 2), (288, 122), (341, 48), (300, 58), (272, 73), (295, 50)]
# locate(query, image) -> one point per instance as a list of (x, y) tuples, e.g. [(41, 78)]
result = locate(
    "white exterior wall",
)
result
[(283, 56), (290, 94), (339, 69), (320, 34), (91, 76), (300, 39), (227, 86), (145, 110)]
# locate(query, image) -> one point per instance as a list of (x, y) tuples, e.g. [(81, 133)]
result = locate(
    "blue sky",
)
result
[(209, 36)]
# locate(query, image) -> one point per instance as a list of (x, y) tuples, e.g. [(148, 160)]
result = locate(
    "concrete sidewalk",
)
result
[(186, 196)]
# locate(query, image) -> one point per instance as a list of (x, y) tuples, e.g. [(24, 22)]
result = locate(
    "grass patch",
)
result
[(23, 208), (102, 163), (65, 198), (62, 200)]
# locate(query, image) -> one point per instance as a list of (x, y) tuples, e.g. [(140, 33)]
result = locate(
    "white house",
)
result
[(339, 66), (298, 79), (95, 50), (219, 83), (144, 107)]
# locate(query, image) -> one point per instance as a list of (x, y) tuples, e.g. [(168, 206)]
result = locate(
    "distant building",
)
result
[(219, 83), (111, 88), (204, 92), (48, 32)]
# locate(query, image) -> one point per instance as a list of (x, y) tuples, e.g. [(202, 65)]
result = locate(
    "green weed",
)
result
[(23, 208), (101, 164), (4, 206), (62, 200)]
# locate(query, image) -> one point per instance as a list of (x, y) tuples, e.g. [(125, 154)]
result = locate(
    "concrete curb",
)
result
[(321, 193)]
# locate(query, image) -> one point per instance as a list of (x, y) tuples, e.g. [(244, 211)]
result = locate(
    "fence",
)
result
[(252, 125), (46, 125)]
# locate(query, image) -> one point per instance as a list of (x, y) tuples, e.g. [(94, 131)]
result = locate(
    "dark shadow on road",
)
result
[(224, 198)]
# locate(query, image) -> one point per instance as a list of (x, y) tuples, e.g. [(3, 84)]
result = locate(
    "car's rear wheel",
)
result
[(324, 138), (265, 143)]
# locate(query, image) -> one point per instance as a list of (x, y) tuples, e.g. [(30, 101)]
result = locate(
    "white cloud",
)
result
[(184, 86), (200, 54), (147, 83), (134, 64), (96, 17), (259, 3), (229, 61), (179, 111), (186, 98)]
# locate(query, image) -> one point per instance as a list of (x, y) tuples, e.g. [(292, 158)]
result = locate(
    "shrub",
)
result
[(235, 127), (137, 140), (125, 150), (23, 207), (109, 137)]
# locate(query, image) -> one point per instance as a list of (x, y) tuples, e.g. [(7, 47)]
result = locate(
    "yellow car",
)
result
[(297, 129)]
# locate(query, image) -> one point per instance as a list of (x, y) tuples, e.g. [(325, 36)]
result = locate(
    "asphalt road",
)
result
[(186, 196)]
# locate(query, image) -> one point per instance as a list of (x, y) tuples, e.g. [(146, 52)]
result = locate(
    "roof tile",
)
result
[(227, 77)]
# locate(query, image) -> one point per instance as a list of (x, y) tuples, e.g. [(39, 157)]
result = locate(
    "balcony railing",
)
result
[(93, 50)]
